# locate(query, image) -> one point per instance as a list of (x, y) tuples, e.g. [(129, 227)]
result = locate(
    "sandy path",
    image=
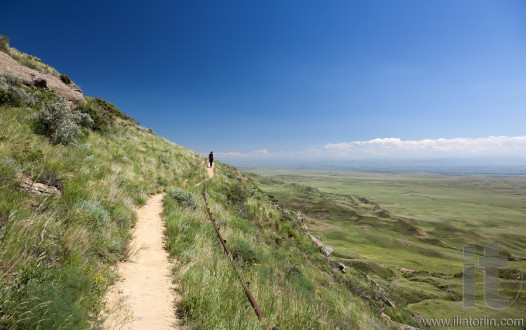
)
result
[(144, 297), (210, 170)]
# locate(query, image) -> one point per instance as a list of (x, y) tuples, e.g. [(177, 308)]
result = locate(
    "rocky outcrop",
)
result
[(326, 250), (39, 188), (34, 78)]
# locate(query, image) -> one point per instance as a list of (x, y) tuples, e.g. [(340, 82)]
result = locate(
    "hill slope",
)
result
[(71, 173)]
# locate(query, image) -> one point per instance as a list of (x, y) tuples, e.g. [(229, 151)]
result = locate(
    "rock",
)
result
[(299, 216), (35, 58), (38, 188), (327, 250), (389, 303), (34, 78)]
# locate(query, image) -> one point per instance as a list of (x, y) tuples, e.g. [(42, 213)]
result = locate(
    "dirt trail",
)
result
[(144, 298), (210, 170)]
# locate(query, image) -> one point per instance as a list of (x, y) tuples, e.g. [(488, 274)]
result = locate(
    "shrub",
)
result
[(96, 212), (104, 113), (12, 93), (4, 43), (244, 252), (185, 198), (65, 79), (59, 123), (236, 193)]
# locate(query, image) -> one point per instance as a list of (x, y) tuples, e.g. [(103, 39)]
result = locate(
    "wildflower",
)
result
[(2, 219)]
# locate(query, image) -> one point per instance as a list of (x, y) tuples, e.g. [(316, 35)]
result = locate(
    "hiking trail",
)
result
[(144, 297), (210, 170)]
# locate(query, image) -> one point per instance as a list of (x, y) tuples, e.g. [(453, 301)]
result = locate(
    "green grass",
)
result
[(379, 224), (293, 284), (57, 250)]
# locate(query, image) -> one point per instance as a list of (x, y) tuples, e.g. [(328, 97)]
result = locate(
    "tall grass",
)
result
[(56, 251), (293, 284)]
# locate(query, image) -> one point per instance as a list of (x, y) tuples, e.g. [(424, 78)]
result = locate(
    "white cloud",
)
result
[(454, 147), (394, 148), (237, 154)]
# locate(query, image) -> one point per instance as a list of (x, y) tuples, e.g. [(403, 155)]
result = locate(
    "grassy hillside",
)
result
[(294, 285), (66, 208), (409, 237), (70, 176)]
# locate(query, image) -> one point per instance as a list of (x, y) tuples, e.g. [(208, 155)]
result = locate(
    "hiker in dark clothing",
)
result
[(211, 158)]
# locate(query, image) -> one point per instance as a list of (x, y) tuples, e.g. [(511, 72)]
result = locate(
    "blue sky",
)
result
[(282, 79)]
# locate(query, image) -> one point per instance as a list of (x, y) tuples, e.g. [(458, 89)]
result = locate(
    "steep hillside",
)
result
[(67, 198), (294, 284), (71, 171)]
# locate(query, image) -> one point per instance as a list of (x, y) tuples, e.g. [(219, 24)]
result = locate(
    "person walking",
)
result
[(211, 158)]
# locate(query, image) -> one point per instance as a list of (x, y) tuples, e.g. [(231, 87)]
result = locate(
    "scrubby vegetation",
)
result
[(57, 246), (294, 285), (65, 79), (56, 120), (103, 113), (4, 43), (94, 164), (13, 93)]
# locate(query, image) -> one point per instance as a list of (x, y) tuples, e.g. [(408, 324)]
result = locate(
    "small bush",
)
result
[(244, 252), (65, 79), (96, 212), (12, 93), (59, 123), (104, 113), (237, 193), (185, 198), (4, 43)]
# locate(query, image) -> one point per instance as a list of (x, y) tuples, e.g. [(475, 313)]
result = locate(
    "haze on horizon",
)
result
[(279, 81)]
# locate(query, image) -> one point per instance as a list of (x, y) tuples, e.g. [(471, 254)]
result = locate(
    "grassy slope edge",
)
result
[(57, 249), (58, 244), (294, 285)]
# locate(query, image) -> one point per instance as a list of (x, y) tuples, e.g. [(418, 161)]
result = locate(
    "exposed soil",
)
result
[(10, 66), (210, 170), (144, 298)]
